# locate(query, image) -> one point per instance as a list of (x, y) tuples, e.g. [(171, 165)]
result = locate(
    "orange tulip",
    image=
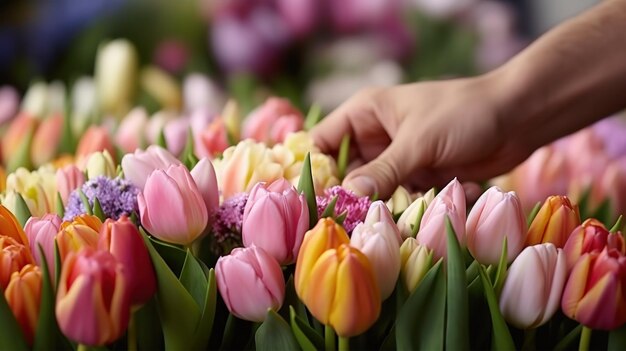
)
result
[(13, 256), (554, 222), (23, 294), (10, 227), (82, 232)]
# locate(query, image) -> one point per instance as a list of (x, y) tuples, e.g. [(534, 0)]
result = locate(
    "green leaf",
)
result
[(420, 322), (275, 334), (193, 279), (342, 217), (342, 157), (313, 117), (329, 211), (305, 185), (67, 144), (187, 156), (502, 269), (149, 333), (172, 298), (569, 339), (457, 319), (306, 336), (583, 204), (604, 212), (11, 337), (161, 141), (618, 225), (617, 339), (57, 263), (97, 210), (60, 209), (418, 219), (502, 339), (533, 214), (22, 213), (48, 335), (203, 332), (173, 255), (85, 201)]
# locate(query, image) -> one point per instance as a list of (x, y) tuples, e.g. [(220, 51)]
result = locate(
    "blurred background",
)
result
[(310, 51)]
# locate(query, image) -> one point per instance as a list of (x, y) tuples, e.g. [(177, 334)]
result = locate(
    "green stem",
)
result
[(344, 343), (329, 338), (529, 340), (82, 347), (585, 338), (132, 334)]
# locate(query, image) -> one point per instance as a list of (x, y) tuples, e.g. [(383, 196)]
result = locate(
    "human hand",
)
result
[(423, 135)]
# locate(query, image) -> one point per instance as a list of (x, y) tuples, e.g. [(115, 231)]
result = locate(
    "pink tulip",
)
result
[(214, 137), (42, 232), (68, 179), (272, 121), (612, 186), (171, 206), (130, 132), (19, 130), (122, 239), (9, 103), (379, 242), (275, 218), (206, 180), (95, 139), (379, 212), (495, 216), (450, 202), (46, 140), (176, 132), (532, 289), (139, 165), (202, 94), (595, 293), (250, 281), (591, 236), (93, 298)]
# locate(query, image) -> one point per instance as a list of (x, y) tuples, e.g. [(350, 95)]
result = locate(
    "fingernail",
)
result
[(361, 185)]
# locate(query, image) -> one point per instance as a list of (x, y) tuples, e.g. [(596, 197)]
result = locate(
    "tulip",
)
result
[(342, 291), (532, 289), (123, 240), (554, 222), (93, 298), (23, 295), (68, 179), (378, 212), (10, 227), (379, 243), (16, 141), (408, 218), (101, 164), (95, 139), (73, 236), (324, 236), (3, 179), (201, 93), (13, 256), (157, 123), (250, 281), (214, 137), (176, 132), (90, 221), (129, 134), (116, 68), (591, 236), (496, 216), (38, 189), (42, 232), (450, 203), (231, 114), (271, 122), (138, 166), (162, 87), (399, 201), (46, 140), (9, 103), (595, 292), (203, 174), (415, 261), (275, 219), (35, 101), (83, 104), (300, 144), (185, 217)]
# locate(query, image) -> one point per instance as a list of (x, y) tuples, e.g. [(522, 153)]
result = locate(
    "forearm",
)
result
[(569, 78)]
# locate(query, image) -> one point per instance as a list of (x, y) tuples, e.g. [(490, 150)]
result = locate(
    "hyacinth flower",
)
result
[(117, 197), (275, 218), (93, 298), (23, 295), (250, 281), (228, 223), (355, 207)]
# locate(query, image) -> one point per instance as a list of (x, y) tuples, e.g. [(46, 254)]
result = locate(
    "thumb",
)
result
[(382, 175)]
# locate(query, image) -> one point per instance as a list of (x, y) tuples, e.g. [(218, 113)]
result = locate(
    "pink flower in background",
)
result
[(42, 232), (200, 93), (19, 129), (46, 140), (130, 133), (301, 16), (9, 103), (139, 165), (95, 139), (171, 55), (352, 15), (272, 121), (176, 132), (68, 179), (203, 174), (214, 138)]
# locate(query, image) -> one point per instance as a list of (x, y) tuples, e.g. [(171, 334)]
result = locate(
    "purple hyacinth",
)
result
[(227, 223), (355, 206), (116, 196)]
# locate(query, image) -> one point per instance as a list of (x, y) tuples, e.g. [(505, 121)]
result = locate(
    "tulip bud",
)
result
[(450, 203), (101, 164), (116, 68), (13, 256), (416, 210), (271, 122), (9, 226), (35, 101), (595, 292), (215, 137), (122, 239), (250, 281), (46, 140), (399, 201), (23, 295), (95, 139), (231, 114), (204, 175), (129, 134), (275, 218), (415, 260), (93, 298), (176, 132), (532, 289), (186, 217), (83, 104), (324, 236), (17, 136), (554, 222), (495, 216), (379, 242), (73, 236), (139, 165), (591, 236), (68, 179), (342, 291), (378, 212), (42, 232)]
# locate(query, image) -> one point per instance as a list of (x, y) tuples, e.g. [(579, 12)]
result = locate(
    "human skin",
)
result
[(424, 134)]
